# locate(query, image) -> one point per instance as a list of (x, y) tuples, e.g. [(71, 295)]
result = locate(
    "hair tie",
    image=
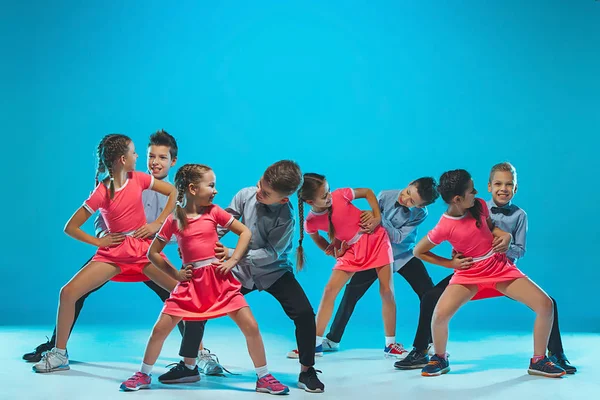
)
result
[(178, 204), (112, 178)]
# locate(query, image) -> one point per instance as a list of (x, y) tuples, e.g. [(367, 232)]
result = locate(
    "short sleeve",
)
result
[(484, 207), (439, 233), (222, 217), (97, 199), (346, 193), (146, 181), (309, 226), (168, 229)]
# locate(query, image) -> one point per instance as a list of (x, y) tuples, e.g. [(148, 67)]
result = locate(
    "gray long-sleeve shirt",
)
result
[(272, 227)]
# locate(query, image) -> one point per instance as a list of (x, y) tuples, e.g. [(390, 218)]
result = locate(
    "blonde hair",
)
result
[(505, 167)]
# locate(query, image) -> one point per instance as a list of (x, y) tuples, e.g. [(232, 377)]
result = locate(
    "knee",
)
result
[(546, 306), (68, 294), (430, 299), (387, 293), (160, 331), (304, 315), (441, 316), (251, 328), (330, 292)]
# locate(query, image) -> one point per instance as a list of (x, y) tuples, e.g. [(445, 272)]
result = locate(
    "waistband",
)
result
[(203, 263), (488, 255)]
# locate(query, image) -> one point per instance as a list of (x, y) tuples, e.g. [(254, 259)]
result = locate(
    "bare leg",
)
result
[(454, 297), (388, 302), (336, 282), (527, 292), (88, 278), (247, 324), (159, 277), (161, 330)]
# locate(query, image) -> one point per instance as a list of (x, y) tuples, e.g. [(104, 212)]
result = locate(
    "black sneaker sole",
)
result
[(185, 379), (307, 389)]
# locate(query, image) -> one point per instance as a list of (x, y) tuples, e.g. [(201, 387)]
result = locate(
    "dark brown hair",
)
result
[(186, 175), (284, 177), (311, 184), (109, 150)]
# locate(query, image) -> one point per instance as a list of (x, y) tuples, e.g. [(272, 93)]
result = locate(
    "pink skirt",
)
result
[(209, 294), (370, 251), (130, 256), (486, 274)]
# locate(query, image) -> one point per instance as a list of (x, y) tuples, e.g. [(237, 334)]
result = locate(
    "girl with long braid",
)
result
[(351, 243), (482, 270), (212, 291), (121, 254)]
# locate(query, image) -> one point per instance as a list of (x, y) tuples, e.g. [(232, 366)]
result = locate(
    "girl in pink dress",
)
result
[(334, 213), (481, 270), (121, 254), (207, 289)]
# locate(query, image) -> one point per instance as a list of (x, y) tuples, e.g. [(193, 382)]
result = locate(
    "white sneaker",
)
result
[(208, 363), (52, 361), (330, 345)]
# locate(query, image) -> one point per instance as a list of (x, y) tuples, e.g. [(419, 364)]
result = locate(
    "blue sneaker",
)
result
[(436, 366), (545, 367), (561, 361), (295, 354)]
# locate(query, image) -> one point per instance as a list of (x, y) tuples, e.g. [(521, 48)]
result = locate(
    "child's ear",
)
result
[(490, 187), (516, 188), (192, 189), (173, 161), (310, 202), (284, 200)]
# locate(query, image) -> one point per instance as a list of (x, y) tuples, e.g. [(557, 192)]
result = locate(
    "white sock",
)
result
[(262, 371), (390, 340), (192, 366), (146, 368), (62, 352), (319, 341)]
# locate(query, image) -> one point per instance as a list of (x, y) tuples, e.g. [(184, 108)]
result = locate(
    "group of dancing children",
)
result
[(141, 213)]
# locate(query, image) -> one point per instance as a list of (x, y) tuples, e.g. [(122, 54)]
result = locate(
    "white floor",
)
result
[(102, 356)]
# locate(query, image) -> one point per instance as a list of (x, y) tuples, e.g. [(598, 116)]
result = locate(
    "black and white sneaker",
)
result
[(415, 359), (36, 354), (180, 374), (310, 382)]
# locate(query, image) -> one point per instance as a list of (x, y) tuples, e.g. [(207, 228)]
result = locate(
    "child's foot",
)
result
[(138, 381), (180, 374), (52, 361), (310, 382), (395, 350), (415, 359), (296, 354), (330, 345), (208, 363), (561, 361), (436, 366), (546, 368), (268, 384)]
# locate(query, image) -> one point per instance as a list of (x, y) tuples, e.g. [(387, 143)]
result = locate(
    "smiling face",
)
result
[(267, 195), (503, 187), (467, 200), (159, 161), (409, 197), (203, 191), (322, 197)]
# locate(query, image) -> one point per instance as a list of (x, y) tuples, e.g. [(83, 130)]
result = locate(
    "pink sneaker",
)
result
[(395, 350), (136, 382), (268, 384)]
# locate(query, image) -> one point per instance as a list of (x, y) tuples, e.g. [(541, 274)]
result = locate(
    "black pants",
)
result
[(162, 293), (413, 271), (288, 292), (429, 301)]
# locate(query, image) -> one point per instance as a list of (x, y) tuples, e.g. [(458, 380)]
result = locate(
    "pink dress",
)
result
[(366, 251), (124, 214), (209, 294), (465, 237)]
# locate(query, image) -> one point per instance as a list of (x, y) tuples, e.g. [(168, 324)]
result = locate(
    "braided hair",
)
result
[(109, 150), (186, 175)]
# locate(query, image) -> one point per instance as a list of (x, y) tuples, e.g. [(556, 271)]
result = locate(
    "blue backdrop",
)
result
[(372, 94)]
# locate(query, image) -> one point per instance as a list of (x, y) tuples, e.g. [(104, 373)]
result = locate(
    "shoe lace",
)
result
[(43, 345), (175, 365), (312, 372), (208, 357), (398, 347)]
